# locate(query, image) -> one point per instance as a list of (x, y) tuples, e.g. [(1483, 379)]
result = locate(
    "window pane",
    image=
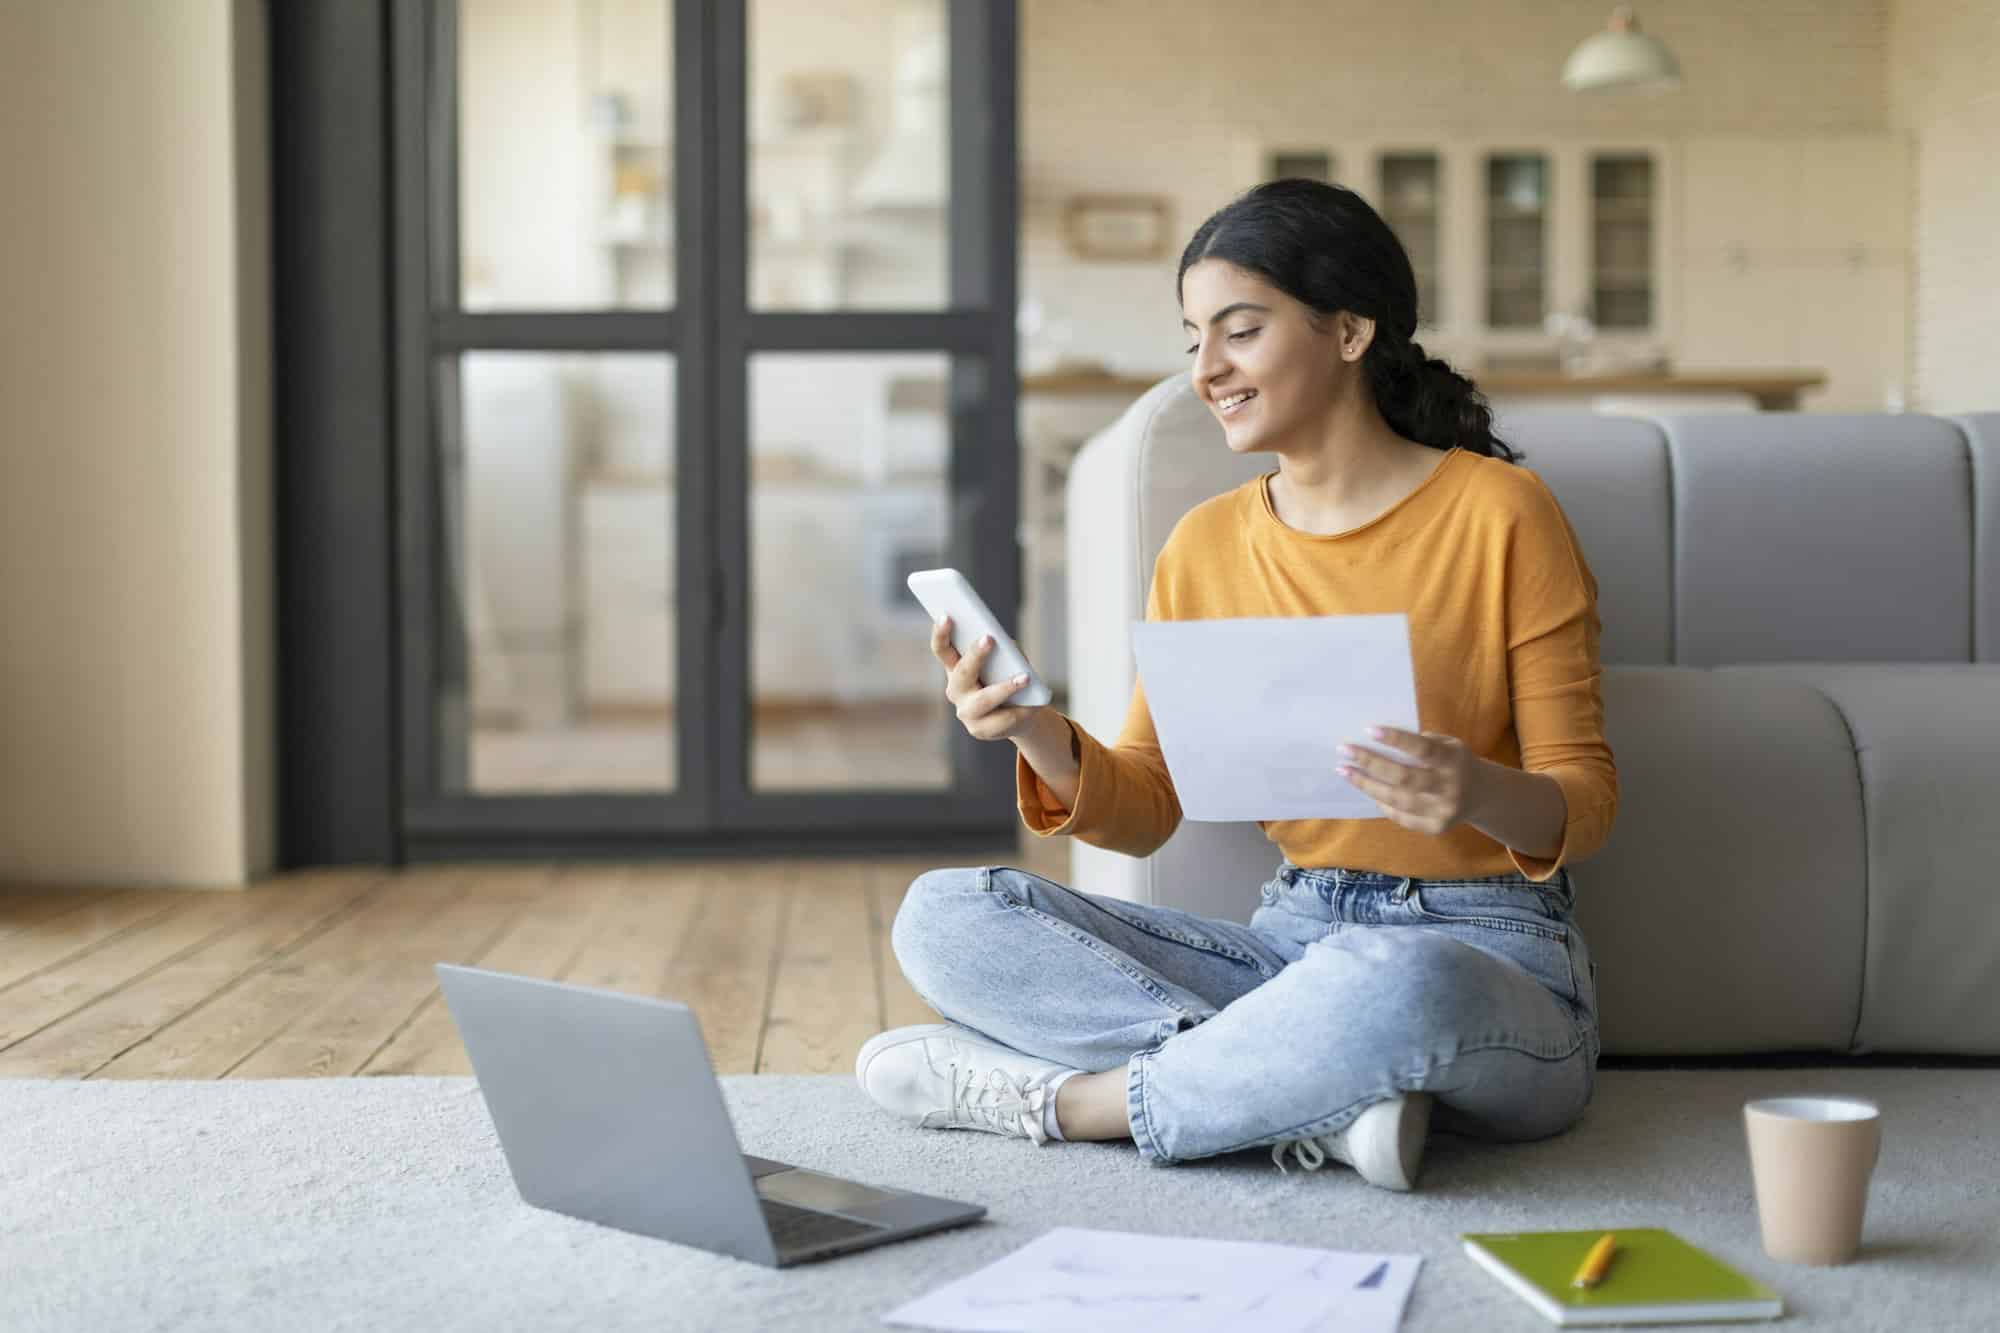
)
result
[(849, 459), (850, 168), (565, 154), (557, 653)]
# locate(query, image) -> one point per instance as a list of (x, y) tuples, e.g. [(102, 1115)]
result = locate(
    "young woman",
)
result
[(1424, 967)]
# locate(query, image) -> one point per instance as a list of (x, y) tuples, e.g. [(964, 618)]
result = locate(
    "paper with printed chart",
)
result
[(1252, 713), (1107, 1281)]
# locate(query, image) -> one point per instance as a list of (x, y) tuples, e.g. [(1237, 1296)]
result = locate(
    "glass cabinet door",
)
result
[(1621, 259), (1410, 186), (1517, 209), (1314, 164)]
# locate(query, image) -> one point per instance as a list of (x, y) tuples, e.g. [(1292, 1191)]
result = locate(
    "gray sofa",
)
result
[(1801, 683)]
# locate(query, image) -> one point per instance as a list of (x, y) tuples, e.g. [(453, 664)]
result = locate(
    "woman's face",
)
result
[(1269, 370)]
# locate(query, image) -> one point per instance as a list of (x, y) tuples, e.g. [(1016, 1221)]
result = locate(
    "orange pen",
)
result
[(1591, 1272)]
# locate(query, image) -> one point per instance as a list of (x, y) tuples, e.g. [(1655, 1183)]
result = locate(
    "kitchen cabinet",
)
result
[(1713, 253), (1739, 196), (1738, 312), (1516, 208), (1503, 231), (1624, 240), (1409, 195), (1853, 193), (1853, 324), (1795, 254)]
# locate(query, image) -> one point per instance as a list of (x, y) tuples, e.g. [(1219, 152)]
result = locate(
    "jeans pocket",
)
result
[(1504, 916), (1505, 901)]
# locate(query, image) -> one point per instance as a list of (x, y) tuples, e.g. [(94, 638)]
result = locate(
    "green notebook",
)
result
[(1655, 1277)]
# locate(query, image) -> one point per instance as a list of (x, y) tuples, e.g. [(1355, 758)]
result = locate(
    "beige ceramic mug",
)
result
[(1810, 1160)]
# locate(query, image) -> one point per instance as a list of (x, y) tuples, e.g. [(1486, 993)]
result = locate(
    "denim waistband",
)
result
[(1292, 874), (1377, 879)]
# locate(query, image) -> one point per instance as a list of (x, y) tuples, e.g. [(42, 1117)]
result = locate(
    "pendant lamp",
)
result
[(1621, 57)]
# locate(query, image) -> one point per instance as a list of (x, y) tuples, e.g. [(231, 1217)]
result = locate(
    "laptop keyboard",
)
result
[(801, 1228)]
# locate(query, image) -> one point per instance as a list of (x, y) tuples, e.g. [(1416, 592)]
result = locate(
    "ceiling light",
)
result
[(1621, 57)]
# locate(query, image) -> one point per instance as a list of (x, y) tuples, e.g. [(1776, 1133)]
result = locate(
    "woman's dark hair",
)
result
[(1323, 246)]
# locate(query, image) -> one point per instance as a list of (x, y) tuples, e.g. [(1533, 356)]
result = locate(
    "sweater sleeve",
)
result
[(1125, 799), (1555, 680)]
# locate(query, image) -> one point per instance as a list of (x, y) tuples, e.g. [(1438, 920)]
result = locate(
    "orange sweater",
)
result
[(1503, 635)]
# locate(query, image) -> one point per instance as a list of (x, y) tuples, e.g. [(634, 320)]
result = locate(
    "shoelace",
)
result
[(1308, 1153), (997, 1101)]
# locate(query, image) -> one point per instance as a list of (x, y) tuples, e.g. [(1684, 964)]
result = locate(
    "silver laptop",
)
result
[(608, 1109)]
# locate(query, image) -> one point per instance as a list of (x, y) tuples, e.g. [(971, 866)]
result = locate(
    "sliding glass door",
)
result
[(704, 340)]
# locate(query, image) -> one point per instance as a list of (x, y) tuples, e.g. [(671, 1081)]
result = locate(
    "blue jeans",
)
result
[(1347, 988)]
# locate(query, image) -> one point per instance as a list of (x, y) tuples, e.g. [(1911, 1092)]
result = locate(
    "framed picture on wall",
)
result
[(1118, 226)]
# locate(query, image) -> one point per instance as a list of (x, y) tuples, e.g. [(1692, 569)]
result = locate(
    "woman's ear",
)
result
[(1356, 334)]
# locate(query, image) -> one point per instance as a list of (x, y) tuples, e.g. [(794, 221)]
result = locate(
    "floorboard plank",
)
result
[(377, 999), (23, 907), (901, 1005), (643, 929), (115, 1020), (67, 940), (788, 963), (299, 980), (726, 968), (159, 937), (824, 1001), (540, 942)]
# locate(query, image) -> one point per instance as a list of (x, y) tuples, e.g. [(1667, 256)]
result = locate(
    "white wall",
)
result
[(1943, 88), (135, 512), (1150, 97)]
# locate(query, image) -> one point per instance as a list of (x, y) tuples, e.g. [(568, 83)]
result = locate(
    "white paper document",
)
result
[(1252, 713), (1108, 1281)]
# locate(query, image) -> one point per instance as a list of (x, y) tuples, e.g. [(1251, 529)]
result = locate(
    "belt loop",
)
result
[(1402, 893)]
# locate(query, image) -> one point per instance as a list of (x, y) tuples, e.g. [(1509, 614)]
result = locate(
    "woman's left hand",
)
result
[(1430, 795)]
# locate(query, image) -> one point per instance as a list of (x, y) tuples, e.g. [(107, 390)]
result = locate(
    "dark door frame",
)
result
[(366, 315)]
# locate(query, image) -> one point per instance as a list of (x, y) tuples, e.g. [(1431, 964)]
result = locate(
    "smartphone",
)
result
[(945, 592)]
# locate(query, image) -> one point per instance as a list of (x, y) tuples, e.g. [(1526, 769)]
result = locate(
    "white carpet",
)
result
[(381, 1204)]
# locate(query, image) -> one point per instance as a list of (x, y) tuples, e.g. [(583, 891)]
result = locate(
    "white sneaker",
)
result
[(1385, 1143), (943, 1076)]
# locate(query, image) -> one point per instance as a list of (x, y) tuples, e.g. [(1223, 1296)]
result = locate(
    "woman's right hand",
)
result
[(985, 712)]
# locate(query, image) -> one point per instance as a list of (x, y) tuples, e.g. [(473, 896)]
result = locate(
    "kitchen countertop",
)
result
[(1774, 390)]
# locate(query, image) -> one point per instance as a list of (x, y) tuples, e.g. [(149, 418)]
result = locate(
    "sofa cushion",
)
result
[(1820, 539), (1927, 739), (1726, 913), (1164, 455), (1610, 476), (1982, 434), (1206, 868), (1183, 459)]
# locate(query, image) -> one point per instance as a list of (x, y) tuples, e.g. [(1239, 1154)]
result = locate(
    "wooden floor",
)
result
[(328, 972)]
